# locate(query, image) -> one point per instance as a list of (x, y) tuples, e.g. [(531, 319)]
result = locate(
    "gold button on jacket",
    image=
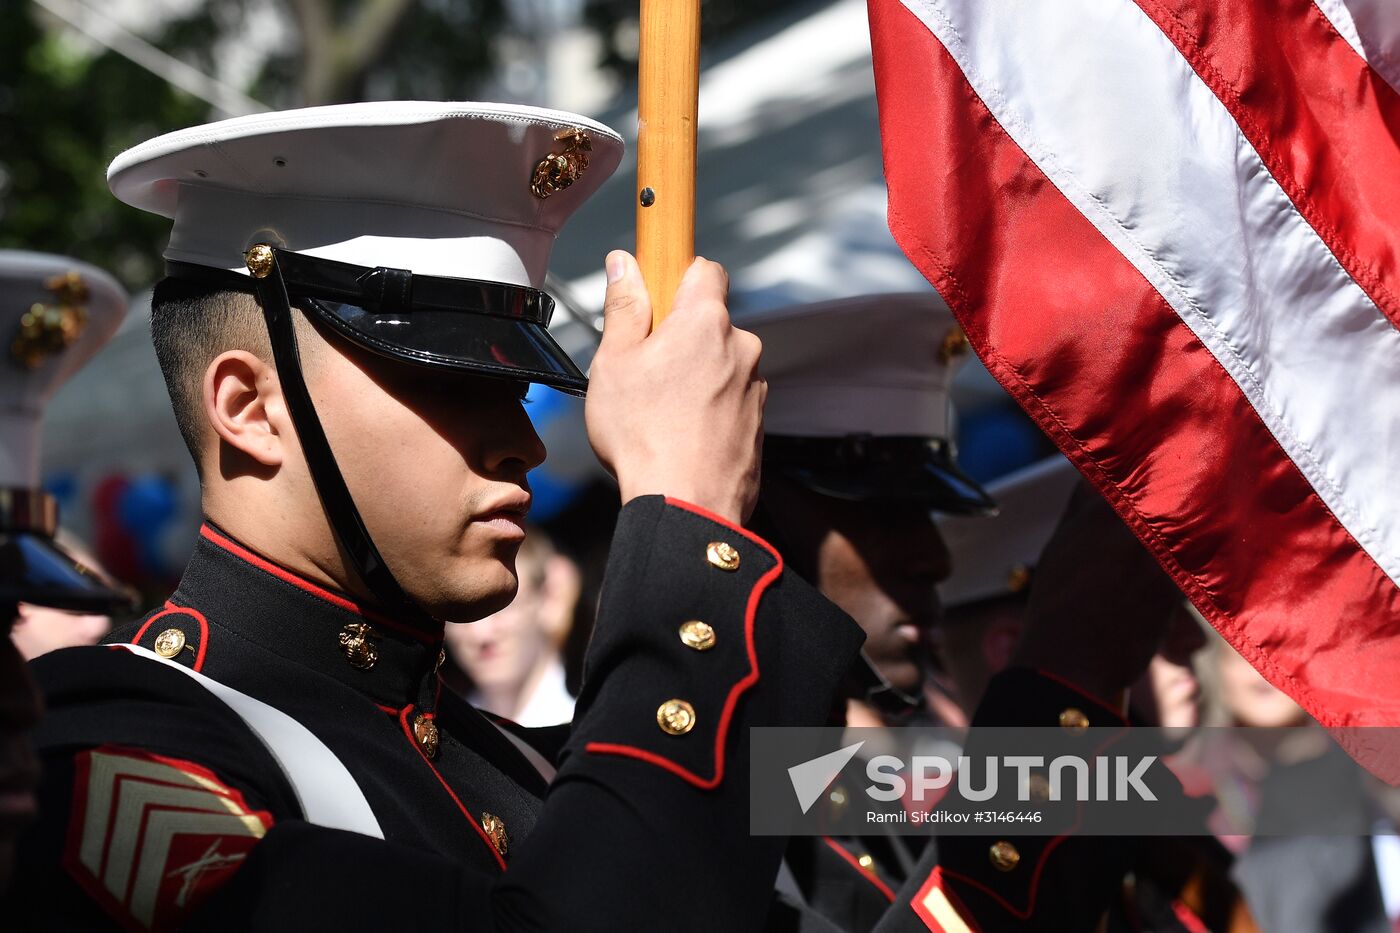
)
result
[(1073, 720), (170, 642), (722, 555), (1004, 856), (675, 717), (698, 635), (426, 732)]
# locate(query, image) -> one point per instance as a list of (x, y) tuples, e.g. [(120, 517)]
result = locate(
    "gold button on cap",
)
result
[(675, 717), (698, 635), (495, 829), (170, 643), (1073, 720), (866, 862), (426, 732), (259, 260), (722, 555), (1004, 856)]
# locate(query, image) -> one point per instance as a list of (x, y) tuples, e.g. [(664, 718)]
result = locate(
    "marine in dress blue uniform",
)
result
[(55, 313), (858, 433), (269, 752)]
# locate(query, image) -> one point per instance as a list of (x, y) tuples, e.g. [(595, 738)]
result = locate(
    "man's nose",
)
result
[(517, 448)]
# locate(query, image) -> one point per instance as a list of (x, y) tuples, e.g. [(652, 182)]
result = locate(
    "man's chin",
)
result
[(489, 596), (466, 610)]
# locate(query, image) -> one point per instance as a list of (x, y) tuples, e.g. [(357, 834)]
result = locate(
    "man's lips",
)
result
[(507, 515)]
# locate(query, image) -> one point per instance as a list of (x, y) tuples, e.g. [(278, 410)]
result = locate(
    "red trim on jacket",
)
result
[(866, 873), (413, 740), (335, 599), (739, 688), (172, 609), (1068, 685)]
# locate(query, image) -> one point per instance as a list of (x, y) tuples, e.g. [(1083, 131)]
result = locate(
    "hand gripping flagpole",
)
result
[(667, 101)]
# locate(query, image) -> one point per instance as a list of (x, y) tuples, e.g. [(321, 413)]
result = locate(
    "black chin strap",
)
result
[(330, 485)]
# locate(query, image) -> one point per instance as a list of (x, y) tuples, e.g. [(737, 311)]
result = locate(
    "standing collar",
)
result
[(237, 589)]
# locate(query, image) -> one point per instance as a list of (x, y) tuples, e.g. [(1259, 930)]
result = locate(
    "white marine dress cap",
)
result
[(859, 401), (420, 230), (55, 314), (996, 557)]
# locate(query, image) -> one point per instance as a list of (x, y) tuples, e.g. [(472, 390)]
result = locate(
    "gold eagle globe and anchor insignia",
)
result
[(955, 345), (46, 329), (495, 829), (359, 650), (559, 170)]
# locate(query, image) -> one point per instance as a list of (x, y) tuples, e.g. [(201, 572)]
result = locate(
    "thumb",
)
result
[(627, 307)]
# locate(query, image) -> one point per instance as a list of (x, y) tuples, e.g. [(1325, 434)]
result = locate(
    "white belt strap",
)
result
[(536, 760), (328, 794)]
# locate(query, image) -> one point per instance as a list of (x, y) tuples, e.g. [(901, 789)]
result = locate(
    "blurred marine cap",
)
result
[(858, 399), (417, 230), (996, 557), (55, 314)]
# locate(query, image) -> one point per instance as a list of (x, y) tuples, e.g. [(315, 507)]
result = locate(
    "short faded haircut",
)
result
[(191, 324)]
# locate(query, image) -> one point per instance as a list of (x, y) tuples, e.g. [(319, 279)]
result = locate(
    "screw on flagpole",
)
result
[(667, 102)]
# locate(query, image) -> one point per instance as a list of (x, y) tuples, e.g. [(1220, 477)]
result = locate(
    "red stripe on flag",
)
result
[(1320, 118), (1109, 371)]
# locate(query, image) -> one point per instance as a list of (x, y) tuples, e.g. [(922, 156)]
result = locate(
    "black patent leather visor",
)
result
[(918, 470), (34, 568), (489, 328)]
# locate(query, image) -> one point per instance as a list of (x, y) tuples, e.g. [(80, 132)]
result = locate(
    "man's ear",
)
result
[(243, 404)]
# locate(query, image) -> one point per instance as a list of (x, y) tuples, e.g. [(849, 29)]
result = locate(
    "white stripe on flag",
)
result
[(1372, 28), (1104, 104)]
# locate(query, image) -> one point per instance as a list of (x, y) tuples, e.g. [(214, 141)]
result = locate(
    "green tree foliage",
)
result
[(67, 106), (64, 114)]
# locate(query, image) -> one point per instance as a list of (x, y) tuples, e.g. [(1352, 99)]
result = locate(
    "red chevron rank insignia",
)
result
[(150, 837)]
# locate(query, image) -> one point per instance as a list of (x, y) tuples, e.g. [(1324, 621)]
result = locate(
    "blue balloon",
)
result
[(997, 441), (144, 510), (63, 486), (559, 420)]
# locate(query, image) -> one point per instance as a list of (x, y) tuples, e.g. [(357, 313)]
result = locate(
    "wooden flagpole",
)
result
[(667, 101)]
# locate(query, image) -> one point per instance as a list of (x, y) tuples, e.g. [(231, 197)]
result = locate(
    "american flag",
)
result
[(1171, 229)]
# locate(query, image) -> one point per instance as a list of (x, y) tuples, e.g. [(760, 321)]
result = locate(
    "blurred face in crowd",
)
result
[(436, 463), (40, 630), (506, 651), (1168, 694), (880, 562), (1249, 698), (19, 712), (975, 642)]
